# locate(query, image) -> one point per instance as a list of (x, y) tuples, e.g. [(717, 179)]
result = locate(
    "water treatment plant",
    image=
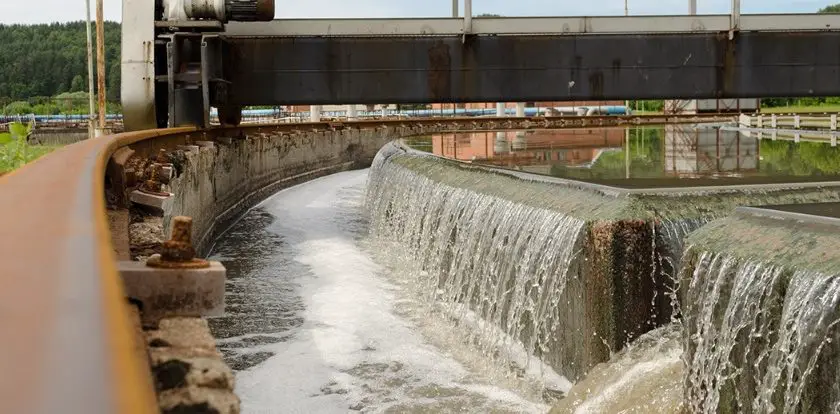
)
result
[(537, 247)]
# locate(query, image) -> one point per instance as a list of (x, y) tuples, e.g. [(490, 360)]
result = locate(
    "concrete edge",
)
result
[(612, 191), (769, 213)]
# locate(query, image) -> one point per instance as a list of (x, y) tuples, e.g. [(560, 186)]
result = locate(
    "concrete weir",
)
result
[(761, 307), (479, 232)]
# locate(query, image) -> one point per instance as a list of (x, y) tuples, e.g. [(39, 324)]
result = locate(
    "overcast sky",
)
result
[(40, 11)]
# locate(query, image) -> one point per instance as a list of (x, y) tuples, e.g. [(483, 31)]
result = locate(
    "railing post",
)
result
[(833, 122), (773, 121), (796, 121), (834, 140), (760, 121)]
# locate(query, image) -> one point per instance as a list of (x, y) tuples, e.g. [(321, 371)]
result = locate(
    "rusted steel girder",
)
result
[(417, 69)]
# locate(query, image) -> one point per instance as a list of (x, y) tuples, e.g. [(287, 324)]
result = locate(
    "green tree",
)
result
[(835, 8), (78, 84), (49, 59)]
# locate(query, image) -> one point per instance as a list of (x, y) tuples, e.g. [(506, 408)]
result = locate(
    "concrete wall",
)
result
[(218, 184)]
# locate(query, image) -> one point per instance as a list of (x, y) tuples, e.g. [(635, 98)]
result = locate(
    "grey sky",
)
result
[(39, 11)]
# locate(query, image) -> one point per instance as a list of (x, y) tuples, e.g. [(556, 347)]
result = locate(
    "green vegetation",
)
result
[(799, 159), (15, 151), (835, 8), (43, 68)]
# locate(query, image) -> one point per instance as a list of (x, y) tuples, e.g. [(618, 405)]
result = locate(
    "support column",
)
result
[(501, 146), (520, 109), (352, 112), (500, 109), (315, 113)]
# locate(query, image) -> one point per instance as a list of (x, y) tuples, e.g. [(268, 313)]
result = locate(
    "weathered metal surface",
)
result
[(533, 25), (138, 65), (367, 70)]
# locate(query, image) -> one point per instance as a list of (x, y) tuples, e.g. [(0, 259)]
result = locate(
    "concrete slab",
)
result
[(175, 292), (151, 200)]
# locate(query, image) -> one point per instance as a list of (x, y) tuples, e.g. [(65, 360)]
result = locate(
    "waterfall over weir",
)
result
[(482, 258), (762, 318), (545, 274)]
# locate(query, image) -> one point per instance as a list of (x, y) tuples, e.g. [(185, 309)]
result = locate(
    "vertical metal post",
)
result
[(735, 17), (91, 114), (773, 121), (100, 61), (205, 83), (692, 7), (467, 16), (314, 113), (500, 109), (170, 74), (626, 102), (454, 8), (833, 122)]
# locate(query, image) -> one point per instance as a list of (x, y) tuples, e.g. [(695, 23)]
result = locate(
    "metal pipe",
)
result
[(92, 116), (454, 8), (692, 7), (100, 61), (500, 109)]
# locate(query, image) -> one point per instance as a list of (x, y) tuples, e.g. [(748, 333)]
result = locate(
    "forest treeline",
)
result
[(46, 65)]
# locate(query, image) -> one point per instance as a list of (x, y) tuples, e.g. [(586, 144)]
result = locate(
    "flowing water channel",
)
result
[(315, 324), (383, 291)]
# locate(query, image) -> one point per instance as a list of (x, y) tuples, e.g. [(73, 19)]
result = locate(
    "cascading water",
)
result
[(495, 264), (758, 336)]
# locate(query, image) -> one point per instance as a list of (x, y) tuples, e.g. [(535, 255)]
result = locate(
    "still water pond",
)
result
[(646, 156)]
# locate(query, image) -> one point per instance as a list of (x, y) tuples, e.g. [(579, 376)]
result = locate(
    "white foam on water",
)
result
[(354, 351)]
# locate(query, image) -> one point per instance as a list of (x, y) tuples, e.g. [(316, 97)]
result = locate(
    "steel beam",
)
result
[(316, 70), (534, 25)]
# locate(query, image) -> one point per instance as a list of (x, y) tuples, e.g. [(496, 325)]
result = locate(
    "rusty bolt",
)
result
[(178, 252), (179, 247), (153, 184), (162, 157)]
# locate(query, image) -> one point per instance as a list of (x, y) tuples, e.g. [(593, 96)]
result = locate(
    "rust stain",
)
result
[(440, 71)]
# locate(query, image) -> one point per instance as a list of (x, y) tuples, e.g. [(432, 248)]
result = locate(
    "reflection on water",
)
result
[(655, 155)]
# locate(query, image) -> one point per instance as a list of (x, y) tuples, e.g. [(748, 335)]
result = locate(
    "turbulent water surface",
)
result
[(315, 324)]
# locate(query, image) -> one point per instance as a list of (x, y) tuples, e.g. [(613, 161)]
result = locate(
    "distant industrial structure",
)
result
[(698, 106)]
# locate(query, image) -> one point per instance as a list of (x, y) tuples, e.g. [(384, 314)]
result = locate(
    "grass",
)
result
[(801, 109), (33, 152)]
